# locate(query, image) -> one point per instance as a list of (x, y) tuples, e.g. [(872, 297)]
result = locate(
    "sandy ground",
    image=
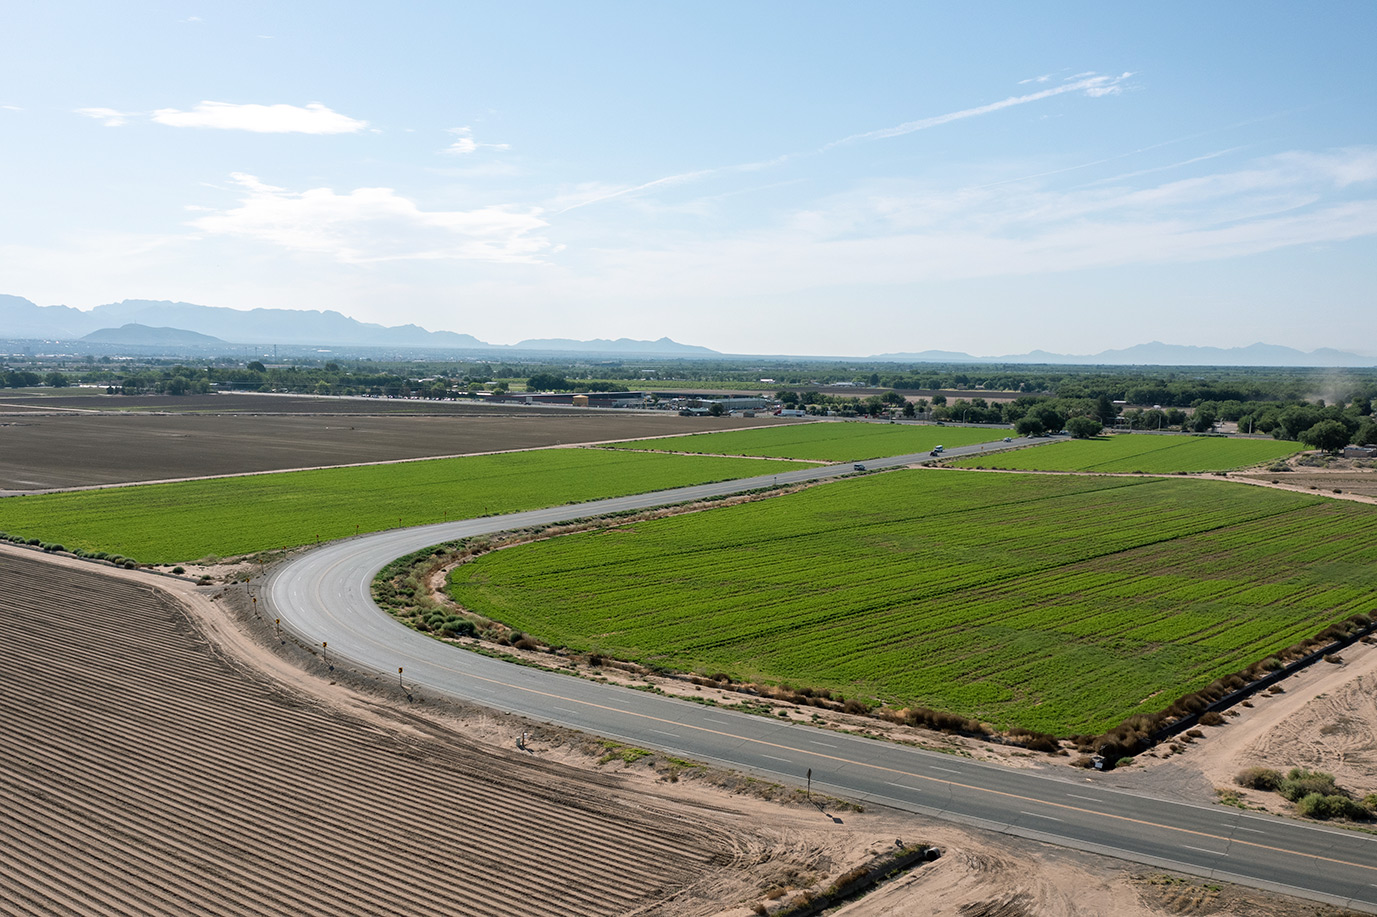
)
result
[(1328, 475)]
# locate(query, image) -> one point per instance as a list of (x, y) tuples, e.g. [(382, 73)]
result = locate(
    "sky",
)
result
[(841, 179)]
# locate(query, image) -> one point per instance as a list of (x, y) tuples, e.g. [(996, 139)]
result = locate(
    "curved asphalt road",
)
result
[(325, 596)]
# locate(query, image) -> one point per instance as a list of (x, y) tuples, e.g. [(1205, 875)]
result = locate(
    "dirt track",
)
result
[(144, 773)]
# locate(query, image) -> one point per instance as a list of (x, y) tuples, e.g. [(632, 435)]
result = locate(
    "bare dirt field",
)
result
[(147, 773), (1326, 474), (159, 760), (230, 403), (48, 450)]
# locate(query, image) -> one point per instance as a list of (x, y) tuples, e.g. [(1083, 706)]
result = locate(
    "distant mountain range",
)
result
[(1158, 354), (148, 323), (160, 324)]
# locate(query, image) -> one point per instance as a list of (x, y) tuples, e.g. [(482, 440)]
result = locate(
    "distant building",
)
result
[(1360, 452)]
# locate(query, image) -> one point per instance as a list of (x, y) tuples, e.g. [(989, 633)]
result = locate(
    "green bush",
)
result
[(1300, 783), (1317, 805), (459, 628), (1259, 778)]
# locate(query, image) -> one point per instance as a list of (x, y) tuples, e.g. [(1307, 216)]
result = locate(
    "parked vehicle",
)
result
[(859, 467)]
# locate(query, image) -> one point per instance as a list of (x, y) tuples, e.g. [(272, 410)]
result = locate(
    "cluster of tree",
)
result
[(16, 378), (550, 382), (1030, 415)]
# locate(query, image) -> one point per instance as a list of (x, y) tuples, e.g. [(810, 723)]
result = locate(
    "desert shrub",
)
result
[(129, 564), (179, 570), (1301, 782), (1259, 778), (1123, 762), (936, 719), (1317, 805), (1083, 761), (1333, 658), (1034, 741), (854, 705), (1211, 719), (459, 628), (1195, 733), (526, 643)]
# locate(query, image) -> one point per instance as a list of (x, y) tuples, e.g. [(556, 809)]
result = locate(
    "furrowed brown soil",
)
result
[(45, 451), (144, 773)]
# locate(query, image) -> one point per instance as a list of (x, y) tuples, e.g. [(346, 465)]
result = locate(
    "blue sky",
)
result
[(806, 178)]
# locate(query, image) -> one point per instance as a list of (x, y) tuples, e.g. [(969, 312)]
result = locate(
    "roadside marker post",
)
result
[(810, 783)]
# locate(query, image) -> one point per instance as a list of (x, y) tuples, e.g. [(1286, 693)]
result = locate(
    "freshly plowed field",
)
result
[(142, 773), (71, 450)]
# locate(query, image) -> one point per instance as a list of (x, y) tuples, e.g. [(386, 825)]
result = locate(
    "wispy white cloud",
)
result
[(464, 142), (1046, 77), (897, 232), (108, 116), (376, 224), (1090, 83), (11, 108), (314, 118)]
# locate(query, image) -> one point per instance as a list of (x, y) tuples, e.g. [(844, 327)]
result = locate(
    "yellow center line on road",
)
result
[(880, 767)]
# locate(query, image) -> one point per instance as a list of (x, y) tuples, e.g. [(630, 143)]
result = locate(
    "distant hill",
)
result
[(21, 319), (1156, 354), (163, 323), (663, 346), (152, 337)]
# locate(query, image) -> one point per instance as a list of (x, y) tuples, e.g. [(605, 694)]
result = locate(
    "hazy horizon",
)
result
[(770, 179)]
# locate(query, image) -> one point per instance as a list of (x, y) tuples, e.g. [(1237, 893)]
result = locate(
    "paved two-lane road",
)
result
[(325, 596)]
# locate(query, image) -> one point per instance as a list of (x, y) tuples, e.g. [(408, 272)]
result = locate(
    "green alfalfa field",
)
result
[(1139, 452), (1062, 604), (824, 441), (225, 517)]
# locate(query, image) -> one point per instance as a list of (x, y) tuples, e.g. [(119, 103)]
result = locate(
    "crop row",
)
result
[(1149, 454), (832, 441), (166, 523), (1061, 604)]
